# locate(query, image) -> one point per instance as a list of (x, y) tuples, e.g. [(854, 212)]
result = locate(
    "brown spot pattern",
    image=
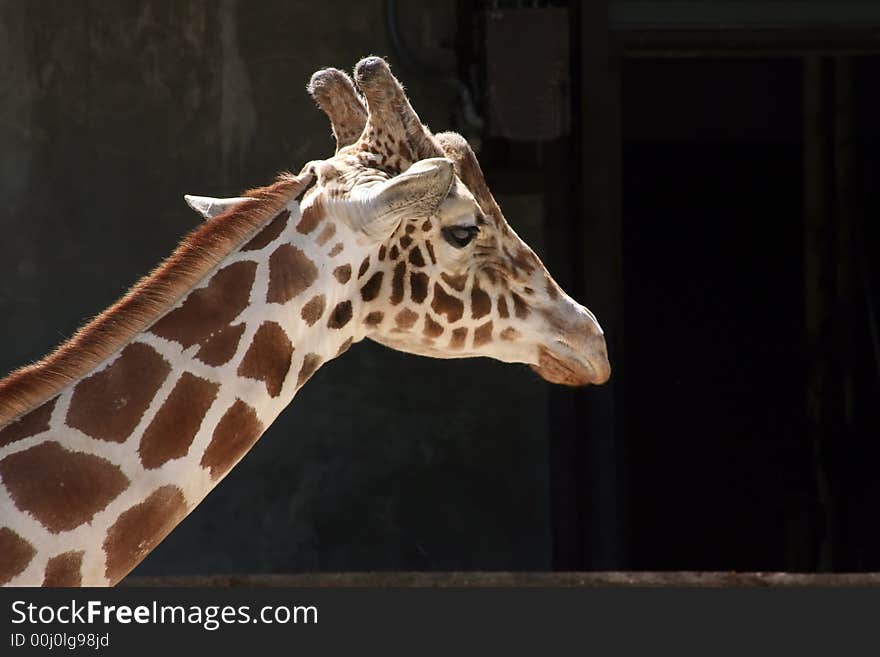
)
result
[(502, 308), (235, 434), (374, 318), (210, 308), (418, 284), (520, 308), (60, 488), (382, 251), (342, 273), (16, 554), (415, 257), (483, 334), (328, 232), (344, 347), (37, 421), (310, 363), (405, 319), (456, 282), (405, 241), (459, 337), (140, 529), (340, 316), (509, 333), (336, 250), (481, 303), (394, 254), (432, 329), (371, 288), (270, 233), (311, 217), (312, 311), (218, 348), (268, 358), (446, 304), (290, 272), (64, 570), (109, 404), (191, 264), (172, 430), (397, 283), (431, 255), (365, 265), (427, 225), (524, 260)]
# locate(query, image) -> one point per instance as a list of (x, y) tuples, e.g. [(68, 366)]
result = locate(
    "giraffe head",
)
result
[(444, 274)]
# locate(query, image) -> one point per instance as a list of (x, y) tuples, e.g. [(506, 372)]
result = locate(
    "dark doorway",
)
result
[(712, 205)]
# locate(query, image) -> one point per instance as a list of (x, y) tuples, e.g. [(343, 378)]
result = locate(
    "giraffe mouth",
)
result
[(566, 367)]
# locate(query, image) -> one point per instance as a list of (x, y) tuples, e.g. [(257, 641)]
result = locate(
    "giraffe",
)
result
[(112, 439)]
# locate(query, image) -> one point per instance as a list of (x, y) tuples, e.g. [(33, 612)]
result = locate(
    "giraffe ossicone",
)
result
[(112, 439)]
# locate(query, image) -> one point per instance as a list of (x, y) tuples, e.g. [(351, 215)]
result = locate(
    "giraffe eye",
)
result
[(460, 236)]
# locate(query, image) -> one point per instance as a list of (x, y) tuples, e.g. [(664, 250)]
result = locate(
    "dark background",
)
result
[(701, 175)]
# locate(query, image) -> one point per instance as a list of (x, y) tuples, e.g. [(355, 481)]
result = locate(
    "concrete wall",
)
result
[(109, 113)]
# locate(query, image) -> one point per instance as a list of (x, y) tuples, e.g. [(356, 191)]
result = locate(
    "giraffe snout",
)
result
[(578, 354), (597, 354)]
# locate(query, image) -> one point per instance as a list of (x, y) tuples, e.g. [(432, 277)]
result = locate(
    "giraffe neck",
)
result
[(97, 476)]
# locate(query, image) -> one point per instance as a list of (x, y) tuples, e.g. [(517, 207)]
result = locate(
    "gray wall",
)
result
[(109, 113)]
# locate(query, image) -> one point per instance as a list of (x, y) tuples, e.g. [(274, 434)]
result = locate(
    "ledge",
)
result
[(512, 579)]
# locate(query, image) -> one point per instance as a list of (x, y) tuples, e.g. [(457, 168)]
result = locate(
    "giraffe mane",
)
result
[(147, 300)]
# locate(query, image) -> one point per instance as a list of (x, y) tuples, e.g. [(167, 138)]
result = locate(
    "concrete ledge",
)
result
[(509, 579)]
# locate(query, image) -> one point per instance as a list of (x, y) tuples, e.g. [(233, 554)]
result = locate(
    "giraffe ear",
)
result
[(210, 207), (413, 194)]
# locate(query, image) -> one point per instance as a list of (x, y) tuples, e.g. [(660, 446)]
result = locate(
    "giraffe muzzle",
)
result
[(567, 366), (574, 353)]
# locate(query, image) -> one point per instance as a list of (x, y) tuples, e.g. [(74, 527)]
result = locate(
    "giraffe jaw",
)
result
[(564, 366)]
